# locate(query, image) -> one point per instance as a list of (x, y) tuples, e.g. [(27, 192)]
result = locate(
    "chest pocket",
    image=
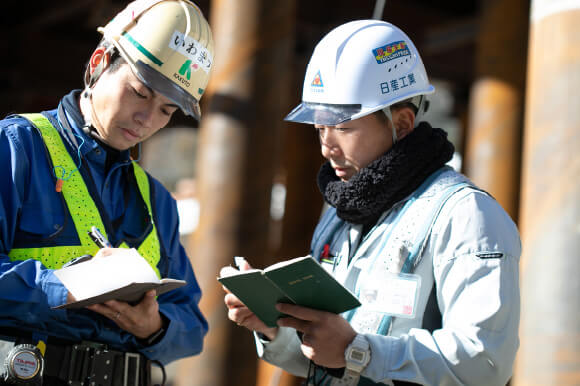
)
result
[(37, 222)]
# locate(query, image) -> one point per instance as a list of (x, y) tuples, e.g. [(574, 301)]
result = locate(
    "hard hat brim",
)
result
[(161, 84), (322, 113)]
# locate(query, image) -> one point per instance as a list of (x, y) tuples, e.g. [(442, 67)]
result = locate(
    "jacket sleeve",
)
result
[(476, 249), (187, 326), (284, 351)]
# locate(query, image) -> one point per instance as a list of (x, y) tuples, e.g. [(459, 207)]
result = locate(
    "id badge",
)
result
[(393, 294)]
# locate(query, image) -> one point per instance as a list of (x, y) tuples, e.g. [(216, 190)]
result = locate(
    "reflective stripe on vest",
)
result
[(82, 208)]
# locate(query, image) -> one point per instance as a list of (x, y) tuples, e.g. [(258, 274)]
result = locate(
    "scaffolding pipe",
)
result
[(550, 210), (493, 146), (238, 153)]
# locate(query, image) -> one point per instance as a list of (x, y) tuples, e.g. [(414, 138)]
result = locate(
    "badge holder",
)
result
[(393, 294)]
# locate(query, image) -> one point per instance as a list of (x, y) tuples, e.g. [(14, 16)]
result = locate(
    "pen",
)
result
[(77, 260), (99, 239)]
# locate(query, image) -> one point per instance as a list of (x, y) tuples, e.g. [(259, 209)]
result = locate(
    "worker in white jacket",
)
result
[(432, 258)]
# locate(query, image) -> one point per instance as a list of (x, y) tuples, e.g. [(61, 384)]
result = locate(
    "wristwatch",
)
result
[(357, 355)]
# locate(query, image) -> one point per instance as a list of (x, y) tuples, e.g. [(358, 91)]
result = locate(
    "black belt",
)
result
[(84, 363)]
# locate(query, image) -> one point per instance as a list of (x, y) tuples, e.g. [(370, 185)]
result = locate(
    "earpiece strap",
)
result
[(387, 111)]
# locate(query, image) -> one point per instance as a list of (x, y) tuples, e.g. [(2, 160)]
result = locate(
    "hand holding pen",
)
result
[(99, 239)]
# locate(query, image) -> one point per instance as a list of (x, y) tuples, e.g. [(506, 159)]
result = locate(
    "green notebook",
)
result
[(300, 281)]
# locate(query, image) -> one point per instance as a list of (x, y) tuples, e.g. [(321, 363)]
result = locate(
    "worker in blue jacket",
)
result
[(69, 169)]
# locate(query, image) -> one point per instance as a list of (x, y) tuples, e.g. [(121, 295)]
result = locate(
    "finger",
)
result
[(109, 312), (149, 298), (308, 351), (297, 324), (99, 308), (237, 317), (307, 339), (116, 316), (147, 306), (232, 301), (299, 312), (245, 266), (117, 305), (225, 289), (242, 310), (70, 298), (104, 252)]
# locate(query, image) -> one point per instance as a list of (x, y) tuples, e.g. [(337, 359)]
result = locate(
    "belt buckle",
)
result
[(130, 357)]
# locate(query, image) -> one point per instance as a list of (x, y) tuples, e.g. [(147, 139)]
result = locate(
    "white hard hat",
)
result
[(169, 45), (358, 68)]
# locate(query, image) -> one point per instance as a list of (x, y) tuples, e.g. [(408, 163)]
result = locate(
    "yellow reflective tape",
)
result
[(52, 257), (82, 208), (150, 248)]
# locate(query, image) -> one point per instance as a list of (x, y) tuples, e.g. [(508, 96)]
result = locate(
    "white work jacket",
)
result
[(470, 254)]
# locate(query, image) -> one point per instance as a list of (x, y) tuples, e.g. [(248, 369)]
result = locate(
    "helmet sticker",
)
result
[(398, 83), (317, 81), (142, 49), (391, 51), (198, 56)]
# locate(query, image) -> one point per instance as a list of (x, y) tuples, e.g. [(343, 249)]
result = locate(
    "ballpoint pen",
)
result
[(99, 239)]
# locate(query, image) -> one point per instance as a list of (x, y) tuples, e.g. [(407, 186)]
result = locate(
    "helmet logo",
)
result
[(391, 51), (317, 81), (186, 69)]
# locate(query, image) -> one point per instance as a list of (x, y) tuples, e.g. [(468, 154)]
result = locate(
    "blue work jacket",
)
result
[(33, 214)]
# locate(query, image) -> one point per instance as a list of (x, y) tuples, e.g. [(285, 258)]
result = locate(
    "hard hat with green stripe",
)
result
[(169, 45)]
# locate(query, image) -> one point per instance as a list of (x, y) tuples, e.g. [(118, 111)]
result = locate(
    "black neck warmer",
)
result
[(390, 178)]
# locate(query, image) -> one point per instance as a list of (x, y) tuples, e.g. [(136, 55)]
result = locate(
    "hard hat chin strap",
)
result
[(88, 112), (422, 107), (387, 111), (86, 107)]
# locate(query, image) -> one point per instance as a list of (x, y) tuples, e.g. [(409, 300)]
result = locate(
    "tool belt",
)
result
[(58, 362)]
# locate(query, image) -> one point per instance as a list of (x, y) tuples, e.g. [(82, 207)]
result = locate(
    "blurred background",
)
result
[(507, 74)]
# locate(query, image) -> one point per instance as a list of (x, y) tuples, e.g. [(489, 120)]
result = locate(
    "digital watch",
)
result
[(358, 356)]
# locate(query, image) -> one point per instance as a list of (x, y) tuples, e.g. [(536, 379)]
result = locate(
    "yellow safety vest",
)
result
[(82, 208)]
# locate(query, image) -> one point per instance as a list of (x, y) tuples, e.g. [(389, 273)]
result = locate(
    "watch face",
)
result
[(357, 356)]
